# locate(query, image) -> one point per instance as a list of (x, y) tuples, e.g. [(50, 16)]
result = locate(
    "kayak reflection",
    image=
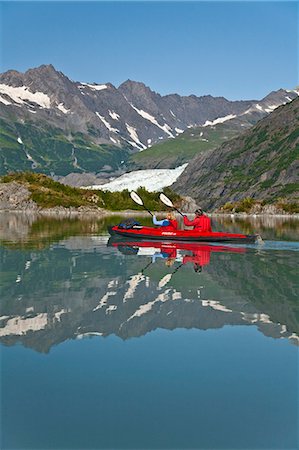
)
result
[(197, 254)]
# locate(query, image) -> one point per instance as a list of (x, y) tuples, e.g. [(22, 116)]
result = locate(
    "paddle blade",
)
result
[(135, 197), (166, 200)]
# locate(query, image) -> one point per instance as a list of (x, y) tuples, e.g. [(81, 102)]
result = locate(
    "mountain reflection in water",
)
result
[(199, 254), (84, 285)]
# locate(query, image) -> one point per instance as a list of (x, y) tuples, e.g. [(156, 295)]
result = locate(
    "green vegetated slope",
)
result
[(44, 148), (174, 152), (262, 163), (48, 193)]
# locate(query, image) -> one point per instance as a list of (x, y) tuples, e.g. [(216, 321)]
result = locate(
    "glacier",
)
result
[(151, 179)]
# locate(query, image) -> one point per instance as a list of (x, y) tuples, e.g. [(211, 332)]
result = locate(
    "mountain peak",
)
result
[(44, 70), (137, 89), (131, 84)]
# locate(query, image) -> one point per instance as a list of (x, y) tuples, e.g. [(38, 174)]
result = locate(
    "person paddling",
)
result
[(168, 224), (201, 222)]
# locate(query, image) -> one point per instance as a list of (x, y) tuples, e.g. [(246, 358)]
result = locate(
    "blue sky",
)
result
[(241, 50)]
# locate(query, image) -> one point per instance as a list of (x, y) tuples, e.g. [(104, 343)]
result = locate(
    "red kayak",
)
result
[(151, 233)]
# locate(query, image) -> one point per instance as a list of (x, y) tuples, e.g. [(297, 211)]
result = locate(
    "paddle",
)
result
[(169, 203), (142, 271), (175, 270), (135, 197)]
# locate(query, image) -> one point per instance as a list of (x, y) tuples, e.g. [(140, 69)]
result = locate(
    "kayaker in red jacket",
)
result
[(168, 224), (201, 222)]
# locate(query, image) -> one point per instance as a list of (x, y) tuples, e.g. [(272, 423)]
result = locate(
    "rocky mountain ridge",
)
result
[(52, 124), (171, 153), (262, 164)]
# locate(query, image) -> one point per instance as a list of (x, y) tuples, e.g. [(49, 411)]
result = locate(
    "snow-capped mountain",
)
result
[(87, 126), (129, 115), (209, 136)]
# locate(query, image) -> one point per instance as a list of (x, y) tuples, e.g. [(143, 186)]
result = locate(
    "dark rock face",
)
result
[(14, 196), (262, 163)]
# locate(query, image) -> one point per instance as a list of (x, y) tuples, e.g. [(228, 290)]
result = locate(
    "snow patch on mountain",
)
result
[(219, 120), (107, 124), (2, 100), (22, 93), (296, 91), (136, 142), (20, 140), (179, 131), (152, 179), (62, 108), (114, 140), (113, 115), (29, 157), (267, 108), (94, 87), (271, 108), (166, 128)]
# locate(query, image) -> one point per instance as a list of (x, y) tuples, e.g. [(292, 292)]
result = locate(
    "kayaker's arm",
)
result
[(202, 223), (190, 223), (161, 223)]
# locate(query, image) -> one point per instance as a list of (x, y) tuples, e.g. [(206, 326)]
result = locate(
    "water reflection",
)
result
[(269, 227), (198, 254), (86, 285), (214, 324), (21, 230)]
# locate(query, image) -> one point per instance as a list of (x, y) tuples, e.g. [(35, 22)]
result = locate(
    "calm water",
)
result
[(107, 345)]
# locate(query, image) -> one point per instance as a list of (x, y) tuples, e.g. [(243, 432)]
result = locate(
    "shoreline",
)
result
[(16, 198), (84, 212)]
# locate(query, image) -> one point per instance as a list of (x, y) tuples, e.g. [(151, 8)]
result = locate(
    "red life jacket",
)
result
[(202, 223), (173, 225), (206, 223)]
